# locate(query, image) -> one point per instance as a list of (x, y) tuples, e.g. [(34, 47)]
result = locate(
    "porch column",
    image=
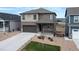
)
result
[(3, 26), (69, 31), (37, 28), (21, 27), (37, 17), (54, 29), (42, 28)]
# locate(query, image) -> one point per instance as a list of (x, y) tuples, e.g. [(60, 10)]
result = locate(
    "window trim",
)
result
[(34, 16), (69, 19), (1, 24), (75, 19), (51, 17), (23, 17), (76, 30)]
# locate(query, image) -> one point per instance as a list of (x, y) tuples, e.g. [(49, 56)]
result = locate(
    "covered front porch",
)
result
[(46, 28), (4, 25)]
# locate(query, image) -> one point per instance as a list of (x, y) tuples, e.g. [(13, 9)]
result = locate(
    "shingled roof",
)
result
[(40, 10), (72, 11), (7, 16)]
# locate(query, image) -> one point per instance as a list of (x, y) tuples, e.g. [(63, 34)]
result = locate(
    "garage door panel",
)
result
[(75, 34), (75, 37), (29, 28)]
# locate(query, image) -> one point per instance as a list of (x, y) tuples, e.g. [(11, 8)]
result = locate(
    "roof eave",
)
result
[(38, 13)]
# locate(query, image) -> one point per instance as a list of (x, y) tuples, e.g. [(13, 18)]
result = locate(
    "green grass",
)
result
[(35, 46)]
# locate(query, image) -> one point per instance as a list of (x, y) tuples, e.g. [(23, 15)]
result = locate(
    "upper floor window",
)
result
[(23, 17), (76, 19), (34, 17), (51, 17)]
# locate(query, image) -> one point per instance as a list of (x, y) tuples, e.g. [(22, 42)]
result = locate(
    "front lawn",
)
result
[(35, 46)]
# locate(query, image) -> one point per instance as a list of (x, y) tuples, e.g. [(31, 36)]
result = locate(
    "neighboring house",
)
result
[(60, 26), (72, 22), (60, 20), (9, 22), (38, 20)]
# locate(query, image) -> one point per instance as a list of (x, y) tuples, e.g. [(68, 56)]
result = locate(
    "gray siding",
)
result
[(15, 26), (67, 19), (66, 25), (72, 20), (71, 24), (70, 13)]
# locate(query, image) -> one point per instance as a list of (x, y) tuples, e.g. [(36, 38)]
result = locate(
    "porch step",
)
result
[(45, 34), (66, 38)]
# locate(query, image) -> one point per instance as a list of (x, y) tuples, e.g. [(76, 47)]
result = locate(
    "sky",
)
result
[(60, 11)]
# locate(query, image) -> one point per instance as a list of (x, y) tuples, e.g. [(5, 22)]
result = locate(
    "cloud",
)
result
[(7, 8), (60, 11)]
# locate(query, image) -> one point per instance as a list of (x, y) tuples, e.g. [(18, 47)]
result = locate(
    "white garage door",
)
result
[(75, 33), (75, 36)]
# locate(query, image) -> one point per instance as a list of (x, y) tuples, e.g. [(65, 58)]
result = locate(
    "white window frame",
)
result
[(23, 17), (69, 19), (76, 18), (51, 17)]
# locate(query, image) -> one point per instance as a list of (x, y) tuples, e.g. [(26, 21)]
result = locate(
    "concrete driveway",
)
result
[(15, 42), (76, 41)]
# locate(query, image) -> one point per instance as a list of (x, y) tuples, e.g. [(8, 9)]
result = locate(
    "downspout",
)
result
[(3, 26), (9, 26)]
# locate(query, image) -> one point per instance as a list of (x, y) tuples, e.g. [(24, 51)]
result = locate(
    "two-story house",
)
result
[(72, 22), (38, 20)]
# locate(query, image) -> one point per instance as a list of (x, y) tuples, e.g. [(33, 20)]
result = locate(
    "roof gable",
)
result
[(72, 11), (40, 10)]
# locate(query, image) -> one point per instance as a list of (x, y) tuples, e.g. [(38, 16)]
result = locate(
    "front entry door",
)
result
[(40, 27)]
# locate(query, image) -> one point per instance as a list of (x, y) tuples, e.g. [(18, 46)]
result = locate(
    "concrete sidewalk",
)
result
[(15, 42)]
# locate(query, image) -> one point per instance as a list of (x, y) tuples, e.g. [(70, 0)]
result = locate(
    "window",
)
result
[(6, 23), (34, 17), (76, 19), (23, 17), (1, 24), (51, 17), (76, 30)]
